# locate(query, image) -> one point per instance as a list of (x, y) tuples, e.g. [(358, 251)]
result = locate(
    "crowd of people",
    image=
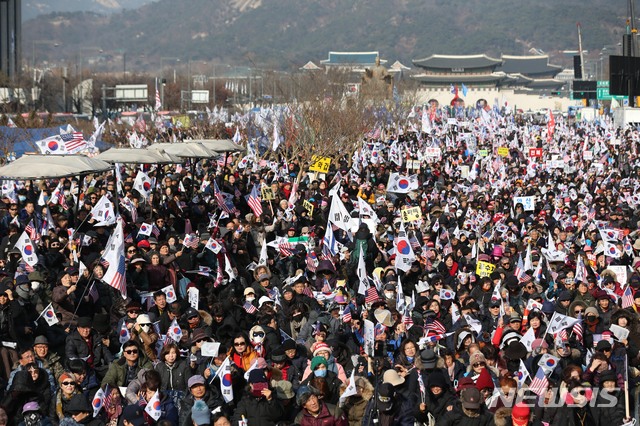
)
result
[(472, 273)]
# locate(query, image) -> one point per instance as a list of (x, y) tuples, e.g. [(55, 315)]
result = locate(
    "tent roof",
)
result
[(52, 166), (219, 145), (138, 156), (184, 150)]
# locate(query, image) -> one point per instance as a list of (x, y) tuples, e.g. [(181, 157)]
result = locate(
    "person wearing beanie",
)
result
[(610, 390), (324, 350), (200, 414), (323, 376), (259, 405)]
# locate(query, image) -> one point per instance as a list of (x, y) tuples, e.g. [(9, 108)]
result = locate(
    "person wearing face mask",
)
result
[(319, 368), (32, 415), (146, 335), (258, 406)]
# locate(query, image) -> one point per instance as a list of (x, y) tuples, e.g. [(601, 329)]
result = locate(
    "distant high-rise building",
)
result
[(10, 36)]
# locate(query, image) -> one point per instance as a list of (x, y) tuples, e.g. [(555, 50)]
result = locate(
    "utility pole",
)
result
[(580, 52)]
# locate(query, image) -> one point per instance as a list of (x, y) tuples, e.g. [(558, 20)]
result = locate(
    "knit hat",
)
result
[(321, 346), (257, 376), (66, 376), (484, 380), (200, 413), (316, 361)]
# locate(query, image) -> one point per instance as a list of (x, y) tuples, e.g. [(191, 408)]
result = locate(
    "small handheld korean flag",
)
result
[(103, 213), (446, 294), (142, 184), (124, 336), (548, 363), (174, 332), (98, 402), (145, 229), (523, 374), (350, 390), (49, 315), (170, 293), (226, 387), (27, 249), (153, 407), (213, 245)]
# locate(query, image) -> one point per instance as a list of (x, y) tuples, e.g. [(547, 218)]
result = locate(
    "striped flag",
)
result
[(254, 201), (326, 288), (225, 204), (519, 272), (346, 314), (158, 105), (406, 319), (249, 308), (307, 291), (435, 325), (114, 254), (93, 292), (191, 241), (30, 229), (372, 295), (578, 330), (312, 261), (73, 142), (627, 298), (540, 383)]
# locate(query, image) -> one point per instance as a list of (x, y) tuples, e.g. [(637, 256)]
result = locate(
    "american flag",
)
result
[(627, 298), (312, 261), (104, 263), (155, 230), (346, 314), (326, 288), (191, 241), (307, 291), (540, 383), (519, 271), (158, 105), (254, 201), (406, 319), (286, 249), (372, 295), (249, 308), (435, 325), (30, 229), (93, 292), (119, 282), (108, 400), (578, 331), (73, 141), (223, 203)]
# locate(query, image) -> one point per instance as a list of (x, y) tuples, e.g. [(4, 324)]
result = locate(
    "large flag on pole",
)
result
[(114, 254)]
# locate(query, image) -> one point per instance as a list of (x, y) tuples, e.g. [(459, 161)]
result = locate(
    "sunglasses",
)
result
[(529, 287), (131, 351), (258, 334), (479, 364), (239, 344), (131, 251), (579, 311), (67, 383)]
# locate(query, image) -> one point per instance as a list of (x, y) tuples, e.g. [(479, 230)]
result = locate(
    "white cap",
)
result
[(143, 319), (263, 300)]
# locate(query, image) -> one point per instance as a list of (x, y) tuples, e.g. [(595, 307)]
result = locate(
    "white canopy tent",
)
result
[(219, 145), (32, 167), (138, 156)]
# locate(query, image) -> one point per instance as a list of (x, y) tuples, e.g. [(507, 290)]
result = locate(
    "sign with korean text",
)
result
[(411, 214), (308, 206), (528, 203), (484, 269), (266, 193), (503, 151), (320, 164), (535, 152), (483, 153), (434, 152)]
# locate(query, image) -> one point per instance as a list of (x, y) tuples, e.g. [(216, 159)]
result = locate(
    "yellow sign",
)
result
[(307, 205), (411, 214), (503, 151), (181, 121), (320, 164), (266, 193), (484, 269)]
